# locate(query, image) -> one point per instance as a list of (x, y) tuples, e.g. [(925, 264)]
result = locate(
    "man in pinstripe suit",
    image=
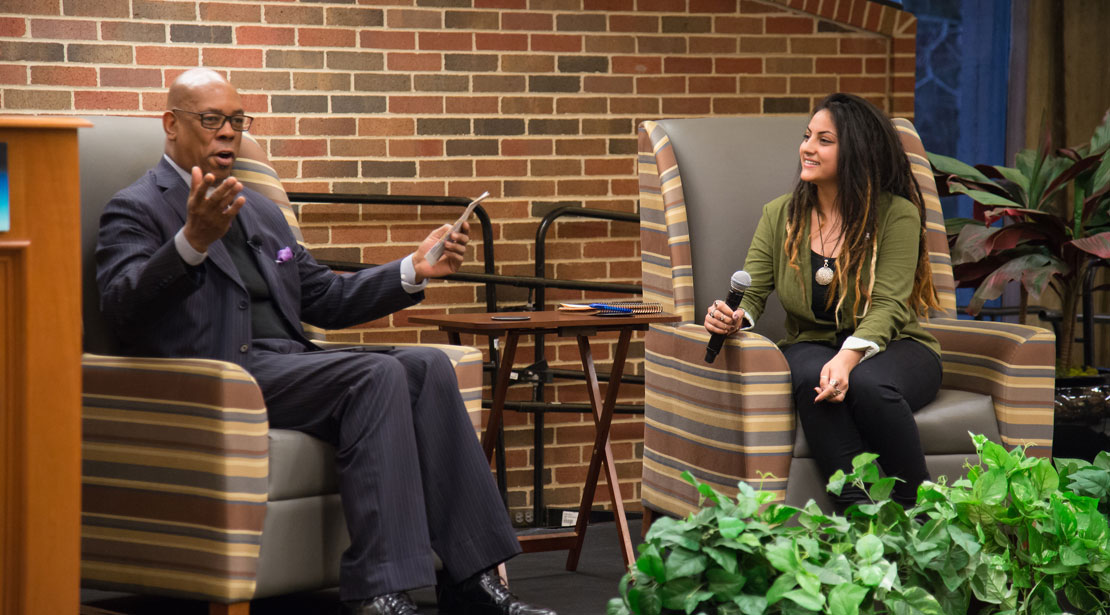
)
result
[(190, 263)]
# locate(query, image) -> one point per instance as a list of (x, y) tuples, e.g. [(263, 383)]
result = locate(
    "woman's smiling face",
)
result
[(819, 149)]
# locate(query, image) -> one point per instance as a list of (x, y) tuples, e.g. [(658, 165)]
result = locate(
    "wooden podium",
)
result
[(40, 369)]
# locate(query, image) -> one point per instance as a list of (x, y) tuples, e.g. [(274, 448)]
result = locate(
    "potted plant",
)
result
[(1018, 535), (1052, 211)]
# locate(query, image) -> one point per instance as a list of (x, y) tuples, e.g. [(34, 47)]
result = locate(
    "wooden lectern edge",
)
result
[(40, 121)]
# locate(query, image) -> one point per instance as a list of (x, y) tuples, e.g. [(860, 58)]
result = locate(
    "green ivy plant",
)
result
[(1018, 536)]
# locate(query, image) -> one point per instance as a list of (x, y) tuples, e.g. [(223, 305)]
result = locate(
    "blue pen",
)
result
[(611, 308)]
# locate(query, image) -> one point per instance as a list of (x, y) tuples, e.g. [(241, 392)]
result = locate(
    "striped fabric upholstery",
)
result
[(733, 420), (176, 459), (175, 465)]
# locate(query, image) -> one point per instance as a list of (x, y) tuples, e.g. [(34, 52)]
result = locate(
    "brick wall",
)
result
[(536, 101)]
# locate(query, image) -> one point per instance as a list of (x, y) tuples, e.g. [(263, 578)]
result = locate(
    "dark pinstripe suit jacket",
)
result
[(158, 306)]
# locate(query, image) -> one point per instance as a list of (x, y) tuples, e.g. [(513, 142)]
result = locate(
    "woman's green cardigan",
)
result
[(889, 315)]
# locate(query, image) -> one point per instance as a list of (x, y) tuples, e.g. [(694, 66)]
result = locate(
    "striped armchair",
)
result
[(702, 186), (186, 490)]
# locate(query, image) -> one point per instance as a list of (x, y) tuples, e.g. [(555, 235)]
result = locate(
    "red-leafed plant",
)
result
[(1042, 222)]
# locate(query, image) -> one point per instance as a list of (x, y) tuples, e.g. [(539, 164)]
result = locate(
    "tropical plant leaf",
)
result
[(972, 244), (1017, 177), (845, 599), (1099, 244), (1034, 270), (1061, 180), (951, 166), (1010, 235), (983, 197)]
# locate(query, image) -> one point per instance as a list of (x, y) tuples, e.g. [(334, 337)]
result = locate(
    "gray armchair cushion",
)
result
[(300, 466)]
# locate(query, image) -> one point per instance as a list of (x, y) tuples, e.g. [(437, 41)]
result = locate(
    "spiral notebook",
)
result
[(613, 308)]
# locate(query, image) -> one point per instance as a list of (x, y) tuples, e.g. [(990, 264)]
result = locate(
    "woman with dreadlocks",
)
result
[(846, 253)]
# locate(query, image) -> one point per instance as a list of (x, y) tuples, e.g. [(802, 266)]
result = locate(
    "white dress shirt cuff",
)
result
[(408, 277), (188, 254), (858, 343)]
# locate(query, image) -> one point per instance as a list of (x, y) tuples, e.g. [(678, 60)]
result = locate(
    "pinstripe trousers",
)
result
[(412, 474)]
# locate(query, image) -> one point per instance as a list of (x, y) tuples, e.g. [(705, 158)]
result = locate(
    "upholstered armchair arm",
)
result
[(728, 421), (175, 465), (1014, 364)]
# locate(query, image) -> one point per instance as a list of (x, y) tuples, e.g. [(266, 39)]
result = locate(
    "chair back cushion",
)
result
[(114, 153), (712, 177)]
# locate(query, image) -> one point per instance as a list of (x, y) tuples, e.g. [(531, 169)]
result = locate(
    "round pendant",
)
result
[(824, 275)]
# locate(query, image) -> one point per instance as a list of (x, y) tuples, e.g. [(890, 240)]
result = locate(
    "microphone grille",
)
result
[(741, 280)]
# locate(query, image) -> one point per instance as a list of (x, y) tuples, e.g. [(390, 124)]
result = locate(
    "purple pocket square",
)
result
[(284, 254)]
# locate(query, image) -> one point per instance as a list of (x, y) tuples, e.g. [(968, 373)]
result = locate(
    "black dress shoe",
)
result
[(483, 594), (386, 604)]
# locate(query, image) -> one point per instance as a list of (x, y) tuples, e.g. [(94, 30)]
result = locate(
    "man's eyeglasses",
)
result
[(215, 121)]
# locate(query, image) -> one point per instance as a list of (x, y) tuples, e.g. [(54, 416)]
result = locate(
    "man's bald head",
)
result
[(184, 88), (194, 93)]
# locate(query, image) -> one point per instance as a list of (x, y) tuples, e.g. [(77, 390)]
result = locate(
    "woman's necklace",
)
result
[(824, 275)]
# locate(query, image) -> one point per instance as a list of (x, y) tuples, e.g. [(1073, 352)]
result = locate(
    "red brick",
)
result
[(358, 148), (838, 65), (557, 42), (446, 168), (583, 187), (496, 41), (608, 85), (234, 12), (501, 4), (446, 41), (738, 25), (265, 35), (415, 104), (526, 147), (426, 188), (530, 63), (167, 56), (63, 75), (610, 44), (583, 106), (130, 77), (763, 44), (414, 148), (294, 14), (712, 6), (713, 44), (414, 61), (501, 168), (327, 126), (234, 57), (763, 85), (661, 85), (529, 188), (814, 45), (661, 6), (608, 5), (414, 19), (861, 85), (629, 187), (790, 25), (610, 166), (687, 65), (813, 85), (298, 148), (553, 168), (633, 23), (580, 147), (326, 37), (386, 126), (528, 21), (860, 45), (471, 104), (15, 27), (637, 64), (67, 29), (878, 66), (113, 101), (738, 65), (387, 40), (12, 74), (154, 101), (737, 106)]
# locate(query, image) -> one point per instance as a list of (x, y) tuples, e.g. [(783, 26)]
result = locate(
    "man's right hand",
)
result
[(209, 217)]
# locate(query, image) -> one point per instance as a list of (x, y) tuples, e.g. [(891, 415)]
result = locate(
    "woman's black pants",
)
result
[(876, 415)]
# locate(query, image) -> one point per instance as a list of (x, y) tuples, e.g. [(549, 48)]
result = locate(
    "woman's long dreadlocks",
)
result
[(871, 163)]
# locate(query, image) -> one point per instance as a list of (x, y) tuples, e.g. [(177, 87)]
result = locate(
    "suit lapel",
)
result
[(175, 193)]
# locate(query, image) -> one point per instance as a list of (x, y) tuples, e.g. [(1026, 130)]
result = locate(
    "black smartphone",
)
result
[(510, 317)]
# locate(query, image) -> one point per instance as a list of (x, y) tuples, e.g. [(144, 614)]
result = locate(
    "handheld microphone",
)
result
[(739, 283), (255, 242)]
